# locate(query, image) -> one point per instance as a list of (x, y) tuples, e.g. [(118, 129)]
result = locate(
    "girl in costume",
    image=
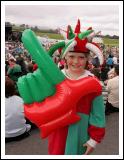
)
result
[(71, 112), (81, 137)]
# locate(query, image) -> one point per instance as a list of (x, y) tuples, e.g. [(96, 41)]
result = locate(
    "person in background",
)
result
[(115, 60), (35, 66), (109, 61), (104, 72), (95, 61), (61, 64), (110, 75), (112, 104), (96, 72), (6, 67), (14, 71), (21, 62), (15, 123), (30, 68)]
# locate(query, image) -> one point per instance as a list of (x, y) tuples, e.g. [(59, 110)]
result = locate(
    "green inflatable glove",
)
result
[(41, 83), (84, 34)]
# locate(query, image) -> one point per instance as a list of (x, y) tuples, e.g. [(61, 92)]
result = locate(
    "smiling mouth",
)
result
[(76, 67)]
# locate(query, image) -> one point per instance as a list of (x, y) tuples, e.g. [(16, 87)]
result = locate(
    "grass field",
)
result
[(50, 35), (107, 41), (111, 42)]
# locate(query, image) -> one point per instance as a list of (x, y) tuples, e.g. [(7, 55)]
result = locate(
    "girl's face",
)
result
[(76, 62)]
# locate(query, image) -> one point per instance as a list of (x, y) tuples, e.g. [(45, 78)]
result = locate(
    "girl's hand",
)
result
[(89, 148)]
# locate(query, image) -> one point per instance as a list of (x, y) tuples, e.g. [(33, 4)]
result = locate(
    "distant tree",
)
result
[(50, 31), (115, 37), (26, 26), (36, 28), (13, 25), (22, 25), (57, 31), (8, 24), (107, 36), (32, 28), (111, 37)]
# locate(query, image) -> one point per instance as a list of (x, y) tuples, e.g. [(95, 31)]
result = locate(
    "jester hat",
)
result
[(79, 42)]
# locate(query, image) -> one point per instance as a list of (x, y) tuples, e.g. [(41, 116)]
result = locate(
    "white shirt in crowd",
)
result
[(15, 123), (113, 91), (115, 60)]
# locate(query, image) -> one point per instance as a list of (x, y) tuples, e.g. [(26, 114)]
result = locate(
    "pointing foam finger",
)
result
[(44, 61)]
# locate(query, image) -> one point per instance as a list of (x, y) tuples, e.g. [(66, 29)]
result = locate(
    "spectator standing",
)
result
[(109, 61)]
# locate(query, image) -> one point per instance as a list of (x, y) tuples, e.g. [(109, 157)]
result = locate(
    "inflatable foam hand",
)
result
[(50, 99), (36, 87)]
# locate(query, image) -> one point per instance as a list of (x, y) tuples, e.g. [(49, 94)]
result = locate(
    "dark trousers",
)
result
[(33, 126), (110, 109), (17, 138)]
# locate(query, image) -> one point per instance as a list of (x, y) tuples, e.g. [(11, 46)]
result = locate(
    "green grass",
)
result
[(16, 28), (50, 35), (112, 42), (107, 41)]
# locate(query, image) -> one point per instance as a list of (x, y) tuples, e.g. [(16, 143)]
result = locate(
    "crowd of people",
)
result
[(19, 62)]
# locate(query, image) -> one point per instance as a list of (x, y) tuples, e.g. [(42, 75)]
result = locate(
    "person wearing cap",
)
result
[(81, 137)]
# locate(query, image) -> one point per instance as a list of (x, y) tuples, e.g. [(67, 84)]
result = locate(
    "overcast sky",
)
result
[(100, 17)]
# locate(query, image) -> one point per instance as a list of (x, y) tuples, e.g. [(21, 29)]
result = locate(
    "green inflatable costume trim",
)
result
[(97, 116), (65, 48), (77, 136), (71, 34), (78, 133), (41, 83), (63, 45), (84, 34), (55, 47)]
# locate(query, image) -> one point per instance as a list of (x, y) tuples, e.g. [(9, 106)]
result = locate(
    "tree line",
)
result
[(37, 29), (108, 36), (56, 31)]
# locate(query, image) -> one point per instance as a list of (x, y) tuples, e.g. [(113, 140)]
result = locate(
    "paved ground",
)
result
[(34, 145)]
